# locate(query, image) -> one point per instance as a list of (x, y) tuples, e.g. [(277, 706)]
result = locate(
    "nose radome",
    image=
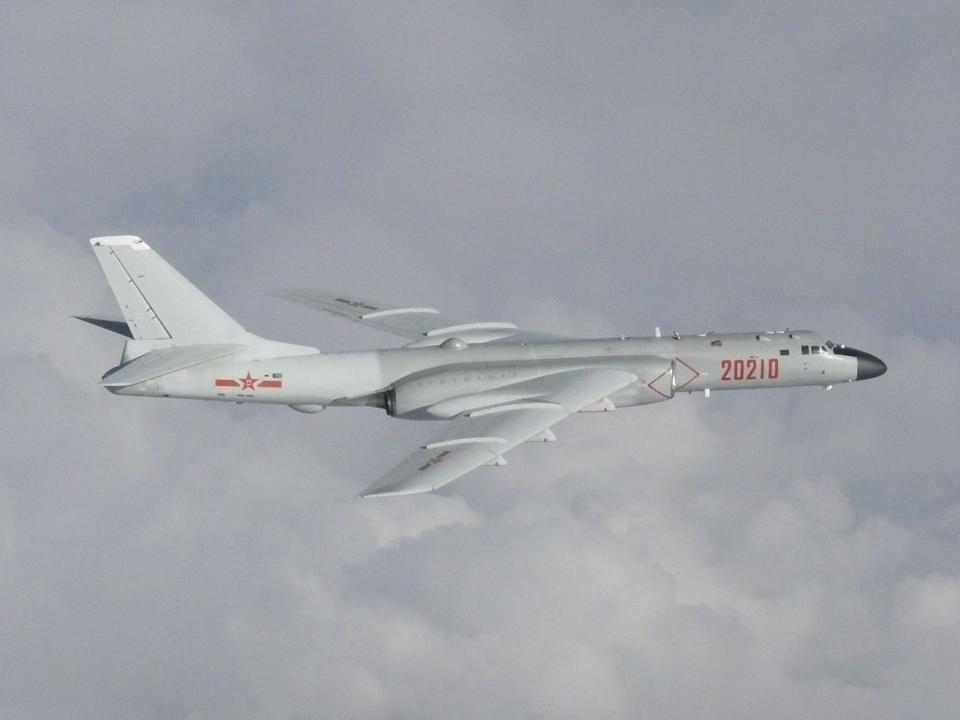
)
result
[(869, 366)]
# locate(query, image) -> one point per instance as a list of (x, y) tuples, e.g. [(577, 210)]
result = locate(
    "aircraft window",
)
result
[(815, 349), (716, 343), (804, 349), (831, 344), (784, 352)]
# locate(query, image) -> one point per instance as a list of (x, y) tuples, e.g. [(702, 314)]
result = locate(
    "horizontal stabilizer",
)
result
[(116, 325), (164, 361)]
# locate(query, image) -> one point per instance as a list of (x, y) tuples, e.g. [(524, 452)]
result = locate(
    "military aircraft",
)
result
[(495, 384)]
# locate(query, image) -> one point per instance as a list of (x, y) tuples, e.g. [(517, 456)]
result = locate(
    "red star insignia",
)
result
[(249, 382)]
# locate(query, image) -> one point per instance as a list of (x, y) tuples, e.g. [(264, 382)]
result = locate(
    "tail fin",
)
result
[(157, 302)]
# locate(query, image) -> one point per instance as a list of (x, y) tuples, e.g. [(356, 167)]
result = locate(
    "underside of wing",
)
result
[(426, 326), (482, 436)]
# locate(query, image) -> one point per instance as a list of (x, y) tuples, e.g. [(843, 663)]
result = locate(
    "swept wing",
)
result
[(482, 436), (424, 325)]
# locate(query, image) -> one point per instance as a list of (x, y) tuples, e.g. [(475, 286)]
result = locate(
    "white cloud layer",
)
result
[(583, 168)]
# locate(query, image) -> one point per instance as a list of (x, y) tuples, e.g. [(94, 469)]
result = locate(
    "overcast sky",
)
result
[(591, 168)]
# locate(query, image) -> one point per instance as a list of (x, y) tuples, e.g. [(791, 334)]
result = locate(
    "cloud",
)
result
[(582, 169)]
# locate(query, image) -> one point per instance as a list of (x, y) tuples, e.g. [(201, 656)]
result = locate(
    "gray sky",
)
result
[(579, 167)]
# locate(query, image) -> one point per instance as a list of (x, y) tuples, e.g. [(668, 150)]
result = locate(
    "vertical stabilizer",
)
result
[(157, 302)]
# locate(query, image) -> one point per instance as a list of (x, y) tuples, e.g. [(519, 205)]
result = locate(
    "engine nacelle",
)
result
[(446, 393), (412, 398), (655, 384)]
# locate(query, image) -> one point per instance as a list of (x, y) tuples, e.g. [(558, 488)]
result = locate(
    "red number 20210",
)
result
[(750, 369)]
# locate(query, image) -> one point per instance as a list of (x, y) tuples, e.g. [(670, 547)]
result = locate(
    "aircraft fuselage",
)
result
[(495, 384), (432, 375)]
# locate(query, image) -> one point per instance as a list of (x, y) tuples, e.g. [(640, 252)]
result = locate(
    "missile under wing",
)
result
[(481, 436), (425, 326)]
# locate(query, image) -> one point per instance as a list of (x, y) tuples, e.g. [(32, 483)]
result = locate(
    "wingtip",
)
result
[(394, 493), (116, 240)]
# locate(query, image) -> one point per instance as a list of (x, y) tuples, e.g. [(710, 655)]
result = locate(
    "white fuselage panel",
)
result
[(701, 362)]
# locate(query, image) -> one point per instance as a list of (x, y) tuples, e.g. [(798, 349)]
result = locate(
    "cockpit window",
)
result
[(815, 349), (831, 344)]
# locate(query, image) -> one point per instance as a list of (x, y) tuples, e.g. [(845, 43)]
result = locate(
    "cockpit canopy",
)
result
[(828, 347)]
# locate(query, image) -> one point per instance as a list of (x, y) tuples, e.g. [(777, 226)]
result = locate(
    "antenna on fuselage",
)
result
[(656, 332)]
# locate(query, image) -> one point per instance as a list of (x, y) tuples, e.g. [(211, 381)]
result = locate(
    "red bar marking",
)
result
[(226, 383), (270, 384), (434, 460)]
